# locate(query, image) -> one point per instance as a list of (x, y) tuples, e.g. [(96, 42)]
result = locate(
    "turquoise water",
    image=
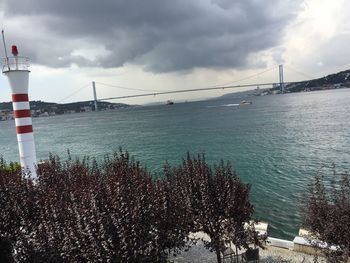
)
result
[(276, 144)]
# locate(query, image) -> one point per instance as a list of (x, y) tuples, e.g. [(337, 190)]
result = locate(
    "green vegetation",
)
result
[(9, 168)]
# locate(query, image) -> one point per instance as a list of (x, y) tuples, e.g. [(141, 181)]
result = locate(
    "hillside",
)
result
[(332, 81), (40, 107)]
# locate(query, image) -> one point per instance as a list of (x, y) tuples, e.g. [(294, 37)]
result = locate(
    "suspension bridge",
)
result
[(280, 84)]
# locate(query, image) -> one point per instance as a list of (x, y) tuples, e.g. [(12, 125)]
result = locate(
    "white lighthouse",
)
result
[(16, 69)]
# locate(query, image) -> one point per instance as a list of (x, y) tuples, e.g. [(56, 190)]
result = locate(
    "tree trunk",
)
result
[(218, 256)]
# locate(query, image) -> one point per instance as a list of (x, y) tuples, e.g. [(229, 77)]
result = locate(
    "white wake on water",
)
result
[(230, 105), (225, 105)]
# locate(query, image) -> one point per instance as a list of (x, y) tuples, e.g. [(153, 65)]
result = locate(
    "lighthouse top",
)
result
[(15, 63)]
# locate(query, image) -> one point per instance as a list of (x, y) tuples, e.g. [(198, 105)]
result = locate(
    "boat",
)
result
[(245, 102), (169, 102)]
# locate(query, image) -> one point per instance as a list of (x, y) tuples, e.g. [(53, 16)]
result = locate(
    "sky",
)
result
[(161, 45)]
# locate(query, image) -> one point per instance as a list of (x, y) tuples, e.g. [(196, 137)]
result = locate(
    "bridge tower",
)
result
[(280, 69), (95, 96), (16, 69)]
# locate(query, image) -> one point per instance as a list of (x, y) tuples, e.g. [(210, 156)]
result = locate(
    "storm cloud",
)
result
[(159, 35)]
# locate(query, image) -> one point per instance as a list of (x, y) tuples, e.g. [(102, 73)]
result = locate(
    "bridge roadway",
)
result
[(198, 89)]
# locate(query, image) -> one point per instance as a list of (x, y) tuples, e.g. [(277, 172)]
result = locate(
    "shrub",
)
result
[(114, 211), (327, 215), (81, 211), (218, 202)]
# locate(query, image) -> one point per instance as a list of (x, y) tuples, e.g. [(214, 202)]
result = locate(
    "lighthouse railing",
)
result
[(15, 63)]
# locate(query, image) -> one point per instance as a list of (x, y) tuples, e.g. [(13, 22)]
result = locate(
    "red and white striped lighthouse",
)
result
[(16, 69)]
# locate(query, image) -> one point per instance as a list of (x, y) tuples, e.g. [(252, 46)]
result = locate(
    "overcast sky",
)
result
[(171, 44)]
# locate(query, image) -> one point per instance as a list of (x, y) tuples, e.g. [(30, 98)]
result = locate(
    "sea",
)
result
[(276, 144)]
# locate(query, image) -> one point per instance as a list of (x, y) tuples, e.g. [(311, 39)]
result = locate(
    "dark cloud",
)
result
[(160, 35)]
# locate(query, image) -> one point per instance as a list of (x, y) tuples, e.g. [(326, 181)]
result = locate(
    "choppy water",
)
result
[(276, 144)]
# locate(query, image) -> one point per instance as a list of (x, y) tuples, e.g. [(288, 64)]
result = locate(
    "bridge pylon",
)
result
[(280, 70), (95, 96)]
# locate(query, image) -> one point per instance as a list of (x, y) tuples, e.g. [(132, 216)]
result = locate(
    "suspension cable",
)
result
[(73, 93), (121, 87), (248, 77), (299, 72)]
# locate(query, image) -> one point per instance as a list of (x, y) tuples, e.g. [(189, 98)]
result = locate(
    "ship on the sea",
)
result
[(245, 102), (169, 102)]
